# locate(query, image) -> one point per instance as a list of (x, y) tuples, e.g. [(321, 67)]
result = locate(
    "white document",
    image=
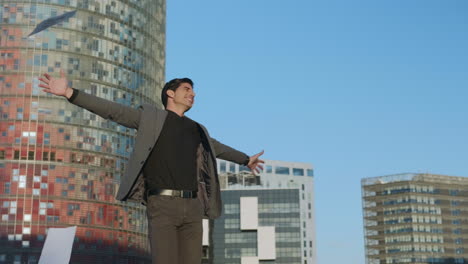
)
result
[(58, 246)]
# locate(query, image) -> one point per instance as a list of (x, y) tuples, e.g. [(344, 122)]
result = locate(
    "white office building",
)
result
[(267, 218)]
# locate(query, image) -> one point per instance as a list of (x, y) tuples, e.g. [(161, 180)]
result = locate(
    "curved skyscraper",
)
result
[(61, 165)]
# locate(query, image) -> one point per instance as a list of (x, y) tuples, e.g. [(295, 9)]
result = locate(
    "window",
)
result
[(282, 170), (2, 154), (73, 158), (269, 169), (16, 155), (310, 172), (7, 187), (298, 172), (30, 155), (222, 166), (243, 168)]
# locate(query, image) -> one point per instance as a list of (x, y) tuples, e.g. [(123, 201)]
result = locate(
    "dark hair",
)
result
[(173, 85)]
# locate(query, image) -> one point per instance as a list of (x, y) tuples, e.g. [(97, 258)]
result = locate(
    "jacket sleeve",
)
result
[(227, 153), (122, 114)]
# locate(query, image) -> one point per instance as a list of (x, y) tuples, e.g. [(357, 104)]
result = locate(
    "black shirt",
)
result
[(172, 162)]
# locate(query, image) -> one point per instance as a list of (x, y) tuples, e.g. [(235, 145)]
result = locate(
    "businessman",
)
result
[(172, 168)]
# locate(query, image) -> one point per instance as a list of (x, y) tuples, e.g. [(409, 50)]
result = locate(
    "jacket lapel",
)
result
[(161, 116)]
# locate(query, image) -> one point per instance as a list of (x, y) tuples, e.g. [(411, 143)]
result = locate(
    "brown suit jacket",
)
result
[(149, 120)]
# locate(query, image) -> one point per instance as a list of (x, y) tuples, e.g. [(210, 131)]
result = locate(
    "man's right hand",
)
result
[(57, 86)]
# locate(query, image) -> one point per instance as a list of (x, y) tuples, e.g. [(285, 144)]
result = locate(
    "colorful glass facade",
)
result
[(61, 165)]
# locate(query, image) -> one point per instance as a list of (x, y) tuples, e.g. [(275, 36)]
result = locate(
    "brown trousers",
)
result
[(175, 229)]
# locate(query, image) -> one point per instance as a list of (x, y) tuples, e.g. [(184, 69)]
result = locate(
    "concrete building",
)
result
[(61, 165), (267, 218), (415, 218)]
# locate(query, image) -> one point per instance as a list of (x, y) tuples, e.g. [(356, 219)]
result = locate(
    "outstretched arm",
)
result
[(227, 153), (119, 113)]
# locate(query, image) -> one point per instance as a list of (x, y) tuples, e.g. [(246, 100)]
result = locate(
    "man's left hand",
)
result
[(255, 164)]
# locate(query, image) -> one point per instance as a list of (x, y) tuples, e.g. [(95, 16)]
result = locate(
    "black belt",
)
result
[(174, 193)]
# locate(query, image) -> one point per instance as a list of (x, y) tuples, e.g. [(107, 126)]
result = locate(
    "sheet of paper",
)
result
[(51, 22), (58, 246)]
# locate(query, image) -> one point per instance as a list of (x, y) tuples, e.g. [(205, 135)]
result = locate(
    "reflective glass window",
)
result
[(298, 172), (282, 170)]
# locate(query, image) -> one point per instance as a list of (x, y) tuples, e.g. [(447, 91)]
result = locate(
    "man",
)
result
[(173, 164)]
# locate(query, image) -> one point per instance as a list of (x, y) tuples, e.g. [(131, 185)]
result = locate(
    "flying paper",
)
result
[(58, 246), (52, 21)]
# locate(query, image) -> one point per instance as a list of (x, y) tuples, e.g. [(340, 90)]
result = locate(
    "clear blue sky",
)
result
[(357, 88)]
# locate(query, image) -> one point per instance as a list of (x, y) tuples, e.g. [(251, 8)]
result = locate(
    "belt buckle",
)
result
[(185, 194)]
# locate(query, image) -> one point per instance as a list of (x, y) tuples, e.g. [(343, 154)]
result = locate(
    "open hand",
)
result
[(256, 164), (57, 86)]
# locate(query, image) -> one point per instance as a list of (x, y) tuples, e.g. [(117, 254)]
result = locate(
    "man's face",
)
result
[(183, 96)]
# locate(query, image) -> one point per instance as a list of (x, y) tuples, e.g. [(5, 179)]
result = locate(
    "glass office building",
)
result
[(267, 218), (278, 208), (415, 218), (61, 165)]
